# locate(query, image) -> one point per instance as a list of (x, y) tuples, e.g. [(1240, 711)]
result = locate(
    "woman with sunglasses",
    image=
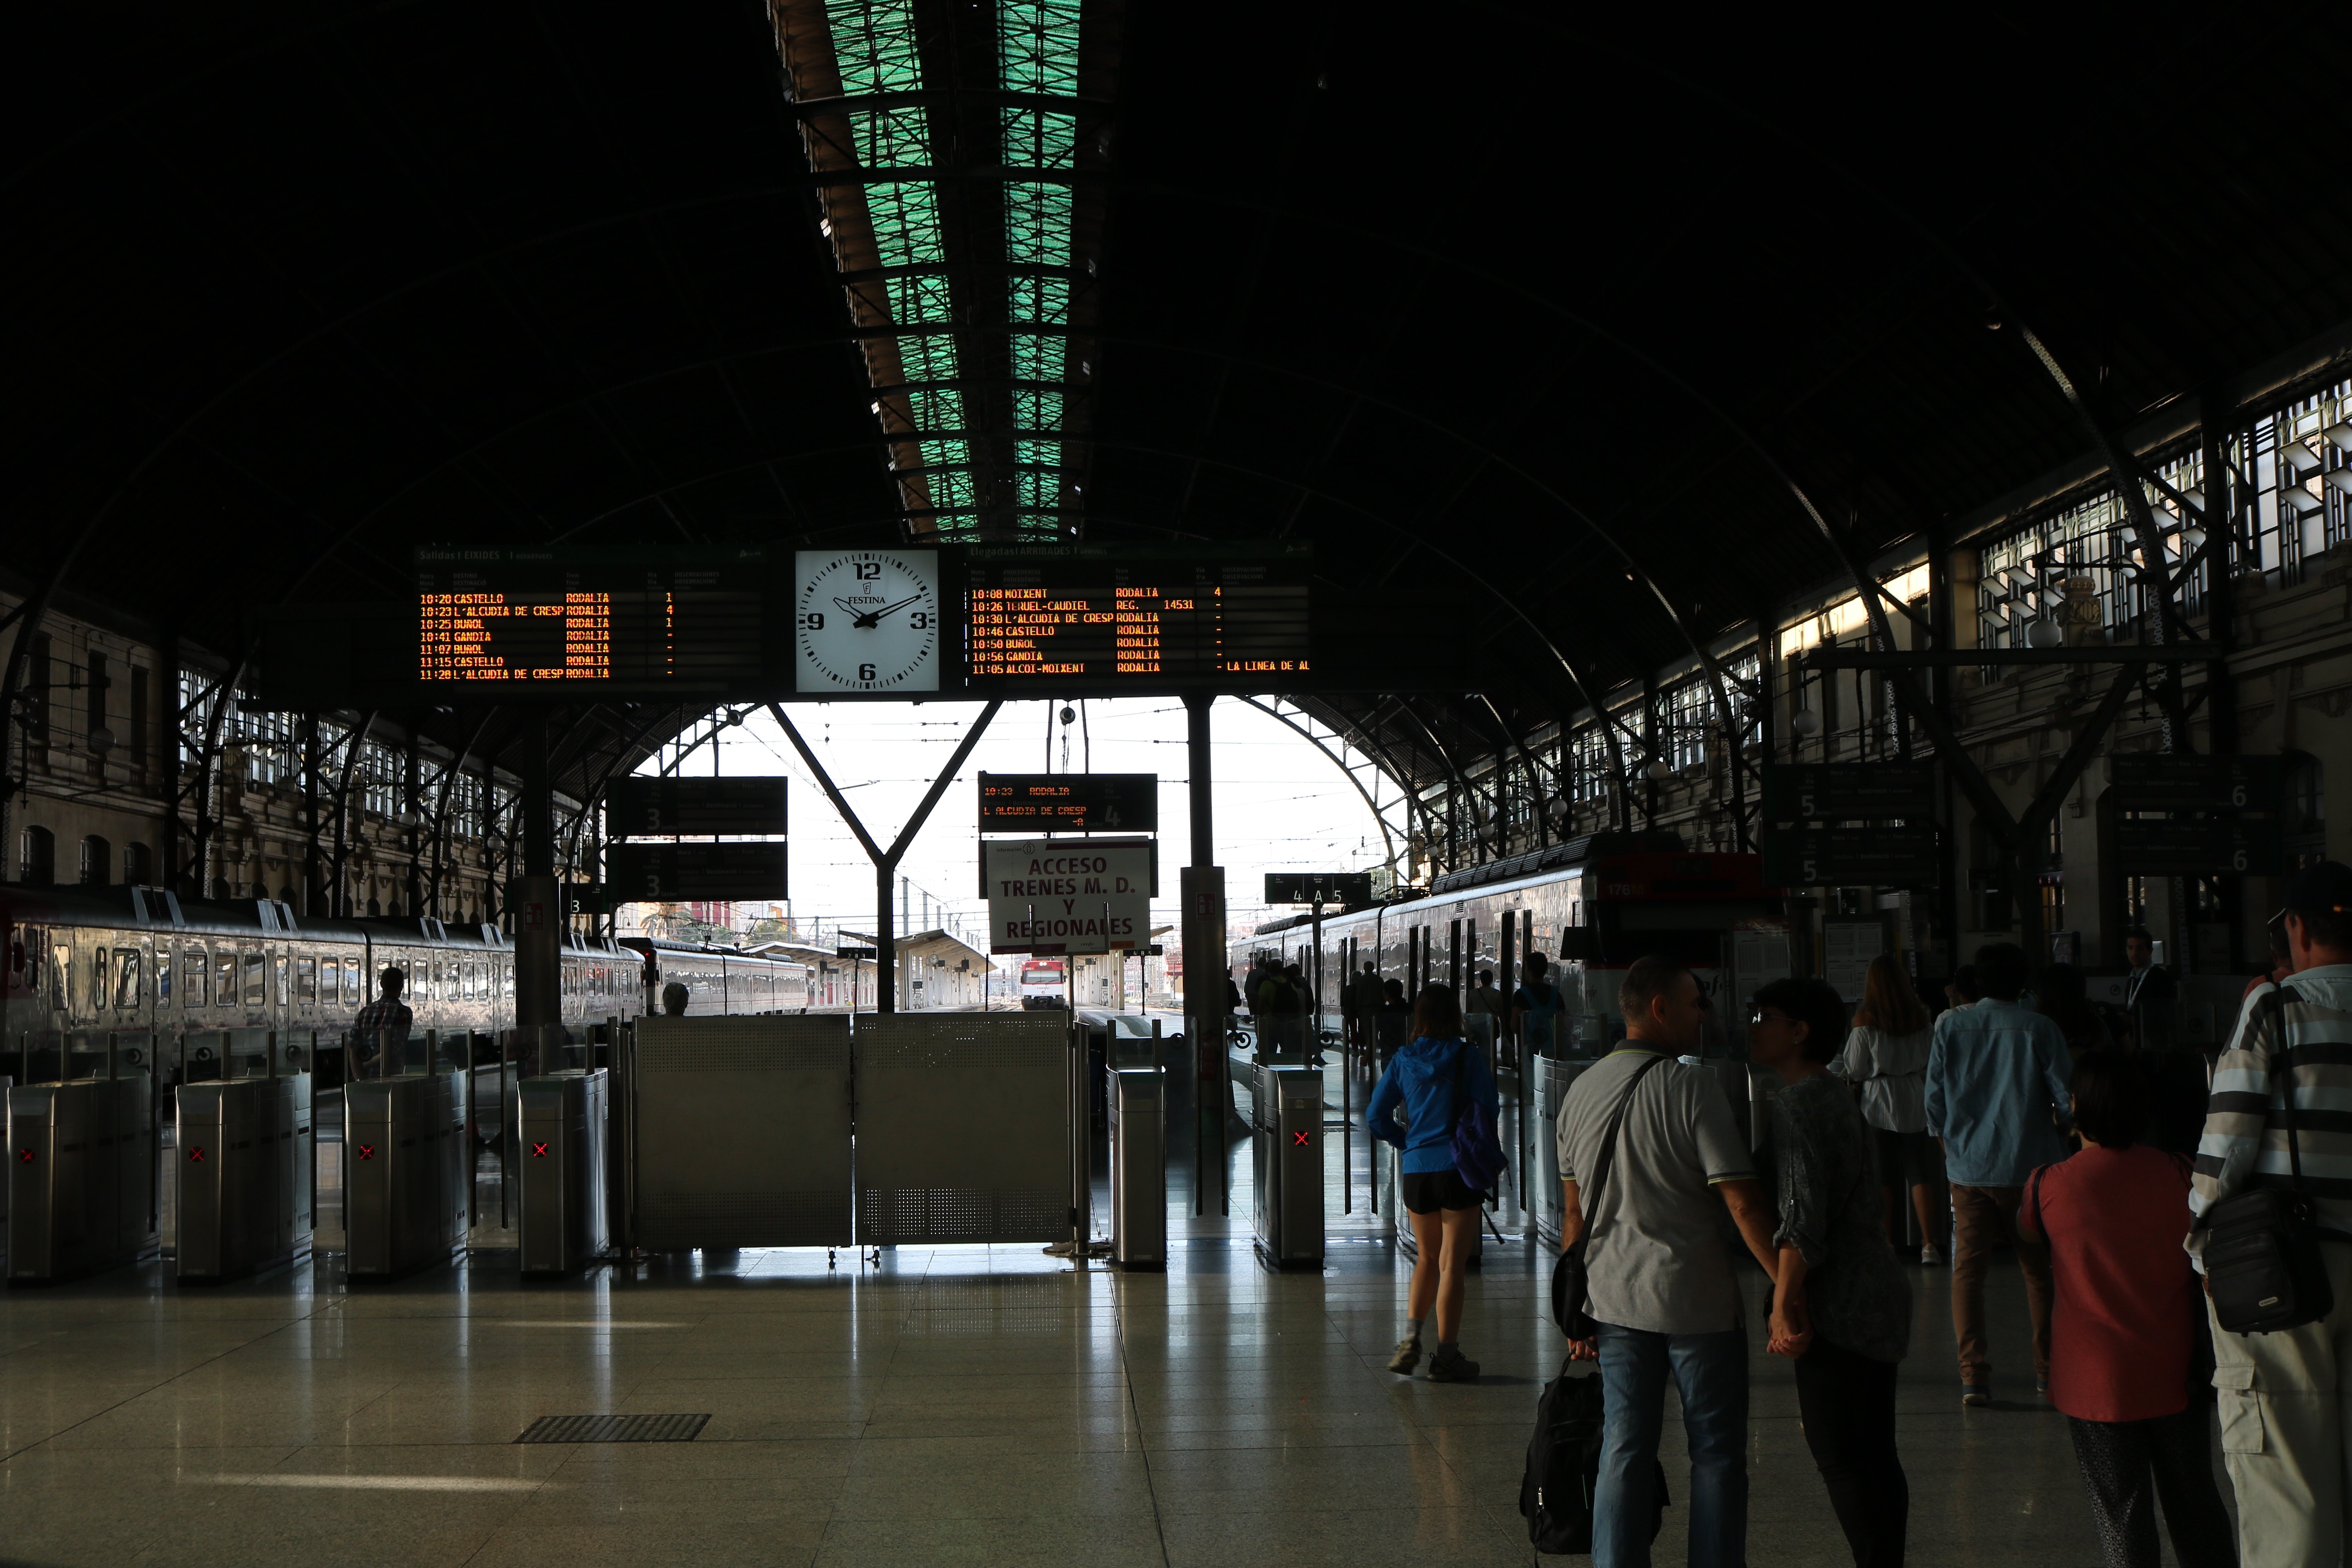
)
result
[(1842, 1307)]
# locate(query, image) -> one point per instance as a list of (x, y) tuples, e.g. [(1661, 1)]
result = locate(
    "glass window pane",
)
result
[(306, 981), (193, 967), (98, 990), (257, 981), (126, 977), (225, 980), (163, 977)]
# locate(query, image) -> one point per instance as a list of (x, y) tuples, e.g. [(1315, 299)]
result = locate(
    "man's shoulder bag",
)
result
[(1570, 1287), (2263, 1263)]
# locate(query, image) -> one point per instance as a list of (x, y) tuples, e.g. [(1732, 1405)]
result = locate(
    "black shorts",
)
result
[(1426, 1192)]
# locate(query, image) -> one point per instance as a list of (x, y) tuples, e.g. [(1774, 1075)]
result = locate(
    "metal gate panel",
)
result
[(741, 1131), (963, 1128)]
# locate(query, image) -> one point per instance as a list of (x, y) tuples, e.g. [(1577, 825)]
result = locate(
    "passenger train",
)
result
[(83, 964), (1590, 906)]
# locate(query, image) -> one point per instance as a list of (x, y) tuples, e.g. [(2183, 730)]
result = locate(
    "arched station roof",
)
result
[(1537, 323)]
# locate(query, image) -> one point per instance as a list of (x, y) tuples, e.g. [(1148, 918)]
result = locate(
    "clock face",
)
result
[(865, 621)]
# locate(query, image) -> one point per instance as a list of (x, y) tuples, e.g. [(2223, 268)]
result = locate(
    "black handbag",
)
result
[(1569, 1286), (2262, 1264)]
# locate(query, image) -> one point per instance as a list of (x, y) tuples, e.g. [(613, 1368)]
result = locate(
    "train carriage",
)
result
[(1590, 907)]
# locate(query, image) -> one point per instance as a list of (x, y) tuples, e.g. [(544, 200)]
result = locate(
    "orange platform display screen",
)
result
[(1072, 618), (502, 620)]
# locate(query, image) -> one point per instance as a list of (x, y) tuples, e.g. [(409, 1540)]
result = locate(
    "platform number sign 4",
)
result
[(865, 621)]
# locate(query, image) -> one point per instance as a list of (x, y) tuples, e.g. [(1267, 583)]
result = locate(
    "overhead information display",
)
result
[(660, 873), (643, 807), (611, 621), (1069, 802), (1348, 889), (1067, 618)]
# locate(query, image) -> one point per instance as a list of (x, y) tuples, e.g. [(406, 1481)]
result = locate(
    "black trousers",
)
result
[(2120, 1458), (1848, 1405)]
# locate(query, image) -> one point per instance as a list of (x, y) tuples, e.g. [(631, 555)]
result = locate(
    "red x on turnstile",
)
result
[(367, 1151), (539, 1151), (1299, 1138), (196, 1155)]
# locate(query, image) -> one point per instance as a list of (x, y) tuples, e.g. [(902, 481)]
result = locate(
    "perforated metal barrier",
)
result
[(964, 1128), (740, 1132)]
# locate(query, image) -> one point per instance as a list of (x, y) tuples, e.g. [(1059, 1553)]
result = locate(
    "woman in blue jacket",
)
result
[(1420, 1080)]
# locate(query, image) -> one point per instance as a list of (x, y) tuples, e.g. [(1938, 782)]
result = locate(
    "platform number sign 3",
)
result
[(865, 621)]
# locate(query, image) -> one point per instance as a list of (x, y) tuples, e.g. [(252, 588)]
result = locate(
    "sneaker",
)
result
[(1976, 1394), (2042, 1385), (1452, 1366), (1407, 1357), (1928, 1254)]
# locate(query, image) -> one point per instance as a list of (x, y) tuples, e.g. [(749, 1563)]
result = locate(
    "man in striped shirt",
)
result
[(2286, 1398)]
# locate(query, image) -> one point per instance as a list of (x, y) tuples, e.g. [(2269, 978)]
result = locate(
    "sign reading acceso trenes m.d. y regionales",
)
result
[(1064, 895)]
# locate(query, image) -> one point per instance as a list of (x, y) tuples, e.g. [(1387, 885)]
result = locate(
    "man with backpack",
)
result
[(2285, 1396), (1535, 1008), (1657, 1143)]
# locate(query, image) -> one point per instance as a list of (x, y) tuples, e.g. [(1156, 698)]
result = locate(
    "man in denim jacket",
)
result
[(1996, 1098)]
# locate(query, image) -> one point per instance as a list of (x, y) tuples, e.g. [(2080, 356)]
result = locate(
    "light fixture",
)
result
[(2045, 633), (2299, 458), (1657, 771), (1805, 721), (2339, 434), (2341, 478), (2304, 502), (102, 740)]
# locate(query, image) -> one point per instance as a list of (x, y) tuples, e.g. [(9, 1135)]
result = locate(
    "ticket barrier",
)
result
[(241, 1173), (405, 1170), (80, 1176), (1552, 1077), (1139, 1165), (559, 1169), (1286, 1128)]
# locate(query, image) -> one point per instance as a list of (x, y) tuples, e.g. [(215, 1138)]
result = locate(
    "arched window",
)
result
[(137, 865), (97, 861), (36, 857)]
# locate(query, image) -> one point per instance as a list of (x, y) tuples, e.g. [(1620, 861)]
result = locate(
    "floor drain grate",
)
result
[(613, 1429)]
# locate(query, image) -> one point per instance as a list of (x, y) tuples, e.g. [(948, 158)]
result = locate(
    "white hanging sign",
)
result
[(1067, 895)]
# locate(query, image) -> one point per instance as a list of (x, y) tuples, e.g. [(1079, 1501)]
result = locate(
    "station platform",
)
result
[(957, 1405)]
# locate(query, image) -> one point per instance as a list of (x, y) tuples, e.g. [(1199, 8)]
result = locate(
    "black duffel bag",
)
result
[(1564, 1466)]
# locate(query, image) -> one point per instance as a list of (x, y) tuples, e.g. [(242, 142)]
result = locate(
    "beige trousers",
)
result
[(2286, 1407)]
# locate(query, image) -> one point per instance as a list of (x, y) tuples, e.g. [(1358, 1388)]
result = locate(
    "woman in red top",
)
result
[(2123, 1327)]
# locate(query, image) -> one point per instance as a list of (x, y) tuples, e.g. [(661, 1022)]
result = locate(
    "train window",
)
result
[(257, 979), (352, 981), (306, 981), (163, 977), (283, 965), (193, 977), (61, 976), (97, 991), (126, 977), (225, 979)]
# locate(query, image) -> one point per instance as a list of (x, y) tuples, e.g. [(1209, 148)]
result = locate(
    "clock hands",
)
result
[(870, 619)]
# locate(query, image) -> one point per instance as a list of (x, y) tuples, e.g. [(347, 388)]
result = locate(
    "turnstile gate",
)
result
[(559, 1169), (1139, 1166), (404, 1173), (80, 1176), (241, 1175), (1286, 1128)]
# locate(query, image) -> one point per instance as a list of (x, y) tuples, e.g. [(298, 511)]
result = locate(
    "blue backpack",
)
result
[(1478, 1157)]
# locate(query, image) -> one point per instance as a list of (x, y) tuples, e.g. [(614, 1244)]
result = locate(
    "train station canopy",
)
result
[(1579, 338)]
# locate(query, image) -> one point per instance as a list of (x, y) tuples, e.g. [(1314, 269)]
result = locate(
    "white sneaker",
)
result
[(1930, 1255)]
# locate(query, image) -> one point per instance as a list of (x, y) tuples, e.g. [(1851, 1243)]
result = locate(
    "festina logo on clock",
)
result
[(866, 620)]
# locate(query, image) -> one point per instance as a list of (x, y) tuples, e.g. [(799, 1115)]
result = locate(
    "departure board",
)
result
[(1063, 618), (491, 621)]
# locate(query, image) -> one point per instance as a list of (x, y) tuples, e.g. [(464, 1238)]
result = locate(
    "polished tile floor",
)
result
[(935, 1407)]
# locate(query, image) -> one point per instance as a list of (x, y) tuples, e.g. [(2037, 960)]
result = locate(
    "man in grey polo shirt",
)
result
[(1659, 1273)]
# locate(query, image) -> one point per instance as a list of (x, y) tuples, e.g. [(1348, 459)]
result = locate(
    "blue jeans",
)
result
[(1711, 1371)]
